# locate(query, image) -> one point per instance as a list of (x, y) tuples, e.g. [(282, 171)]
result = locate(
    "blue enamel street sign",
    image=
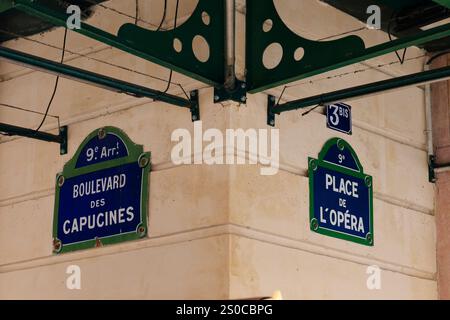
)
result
[(341, 195), (339, 117), (101, 195)]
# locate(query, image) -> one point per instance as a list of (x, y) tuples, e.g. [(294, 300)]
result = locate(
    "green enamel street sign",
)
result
[(341, 194), (102, 193)]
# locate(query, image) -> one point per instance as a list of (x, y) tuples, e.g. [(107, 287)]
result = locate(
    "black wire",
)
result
[(169, 83), (25, 109), (56, 84), (437, 55), (402, 58), (136, 20), (163, 19), (311, 110)]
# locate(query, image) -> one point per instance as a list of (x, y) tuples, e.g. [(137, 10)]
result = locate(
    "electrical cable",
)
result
[(402, 58), (56, 84), (343, 33), (136, 20), (174, 26), (94, 59), (437, 55), (26, 110), (377, 67), (119, 12)]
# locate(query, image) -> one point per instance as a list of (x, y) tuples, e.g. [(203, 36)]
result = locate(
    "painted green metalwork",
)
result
[(92, 78), (314, 164), (206, 23), (61, 138), (445, 3), (135, 153), (360, 91), (5, 5), (238, 94), (265, 28)]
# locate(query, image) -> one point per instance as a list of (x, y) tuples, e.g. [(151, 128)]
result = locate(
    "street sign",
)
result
[(341, 195), (101, 195), (339, 117)]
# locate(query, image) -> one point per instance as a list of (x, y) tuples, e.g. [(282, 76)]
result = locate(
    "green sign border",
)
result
[(135, 154), (313, 165)]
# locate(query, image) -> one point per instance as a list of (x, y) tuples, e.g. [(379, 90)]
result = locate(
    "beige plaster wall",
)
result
[(219, 231)]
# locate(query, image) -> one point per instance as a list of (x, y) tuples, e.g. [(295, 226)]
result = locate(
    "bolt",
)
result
[(272, 98), (61, 180), (272, 122), (243, 85), (193, 93), (143, 161), (194, 118), (216, 98), (243, 98), (101, 133), (57, 245)]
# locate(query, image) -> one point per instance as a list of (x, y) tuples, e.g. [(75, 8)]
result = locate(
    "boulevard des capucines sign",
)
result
[(102, 193)]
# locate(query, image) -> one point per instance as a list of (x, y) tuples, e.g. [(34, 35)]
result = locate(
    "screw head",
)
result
[(369, 238), (216, 98), (314, 224), (194, 118), (141, 230), (101, 133), (272, 122), (313, 164), (243, 85), (61, 180), (143, 161), (243, 98), (57, 245), (368, 181), (193, 93)]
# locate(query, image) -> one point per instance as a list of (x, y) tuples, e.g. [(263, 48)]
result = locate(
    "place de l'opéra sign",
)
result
[(341, 194)]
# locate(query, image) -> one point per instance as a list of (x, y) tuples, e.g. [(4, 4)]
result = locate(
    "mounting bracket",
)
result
[(238, 94), (61, 138), (431, 168), (195, 105), (270, 113), (302, 58)]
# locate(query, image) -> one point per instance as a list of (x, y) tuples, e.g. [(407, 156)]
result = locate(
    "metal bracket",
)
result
[(238, 94), (431, 167), (61, 139), (172, 49), (64, 140), (301, 58), (270, 114), (195, 106)]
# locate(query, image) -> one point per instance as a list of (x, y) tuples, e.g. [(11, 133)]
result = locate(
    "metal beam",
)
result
[(230, 39), (88, 77), (155, 46), (61, 139), (361, 91), (314, 57)]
